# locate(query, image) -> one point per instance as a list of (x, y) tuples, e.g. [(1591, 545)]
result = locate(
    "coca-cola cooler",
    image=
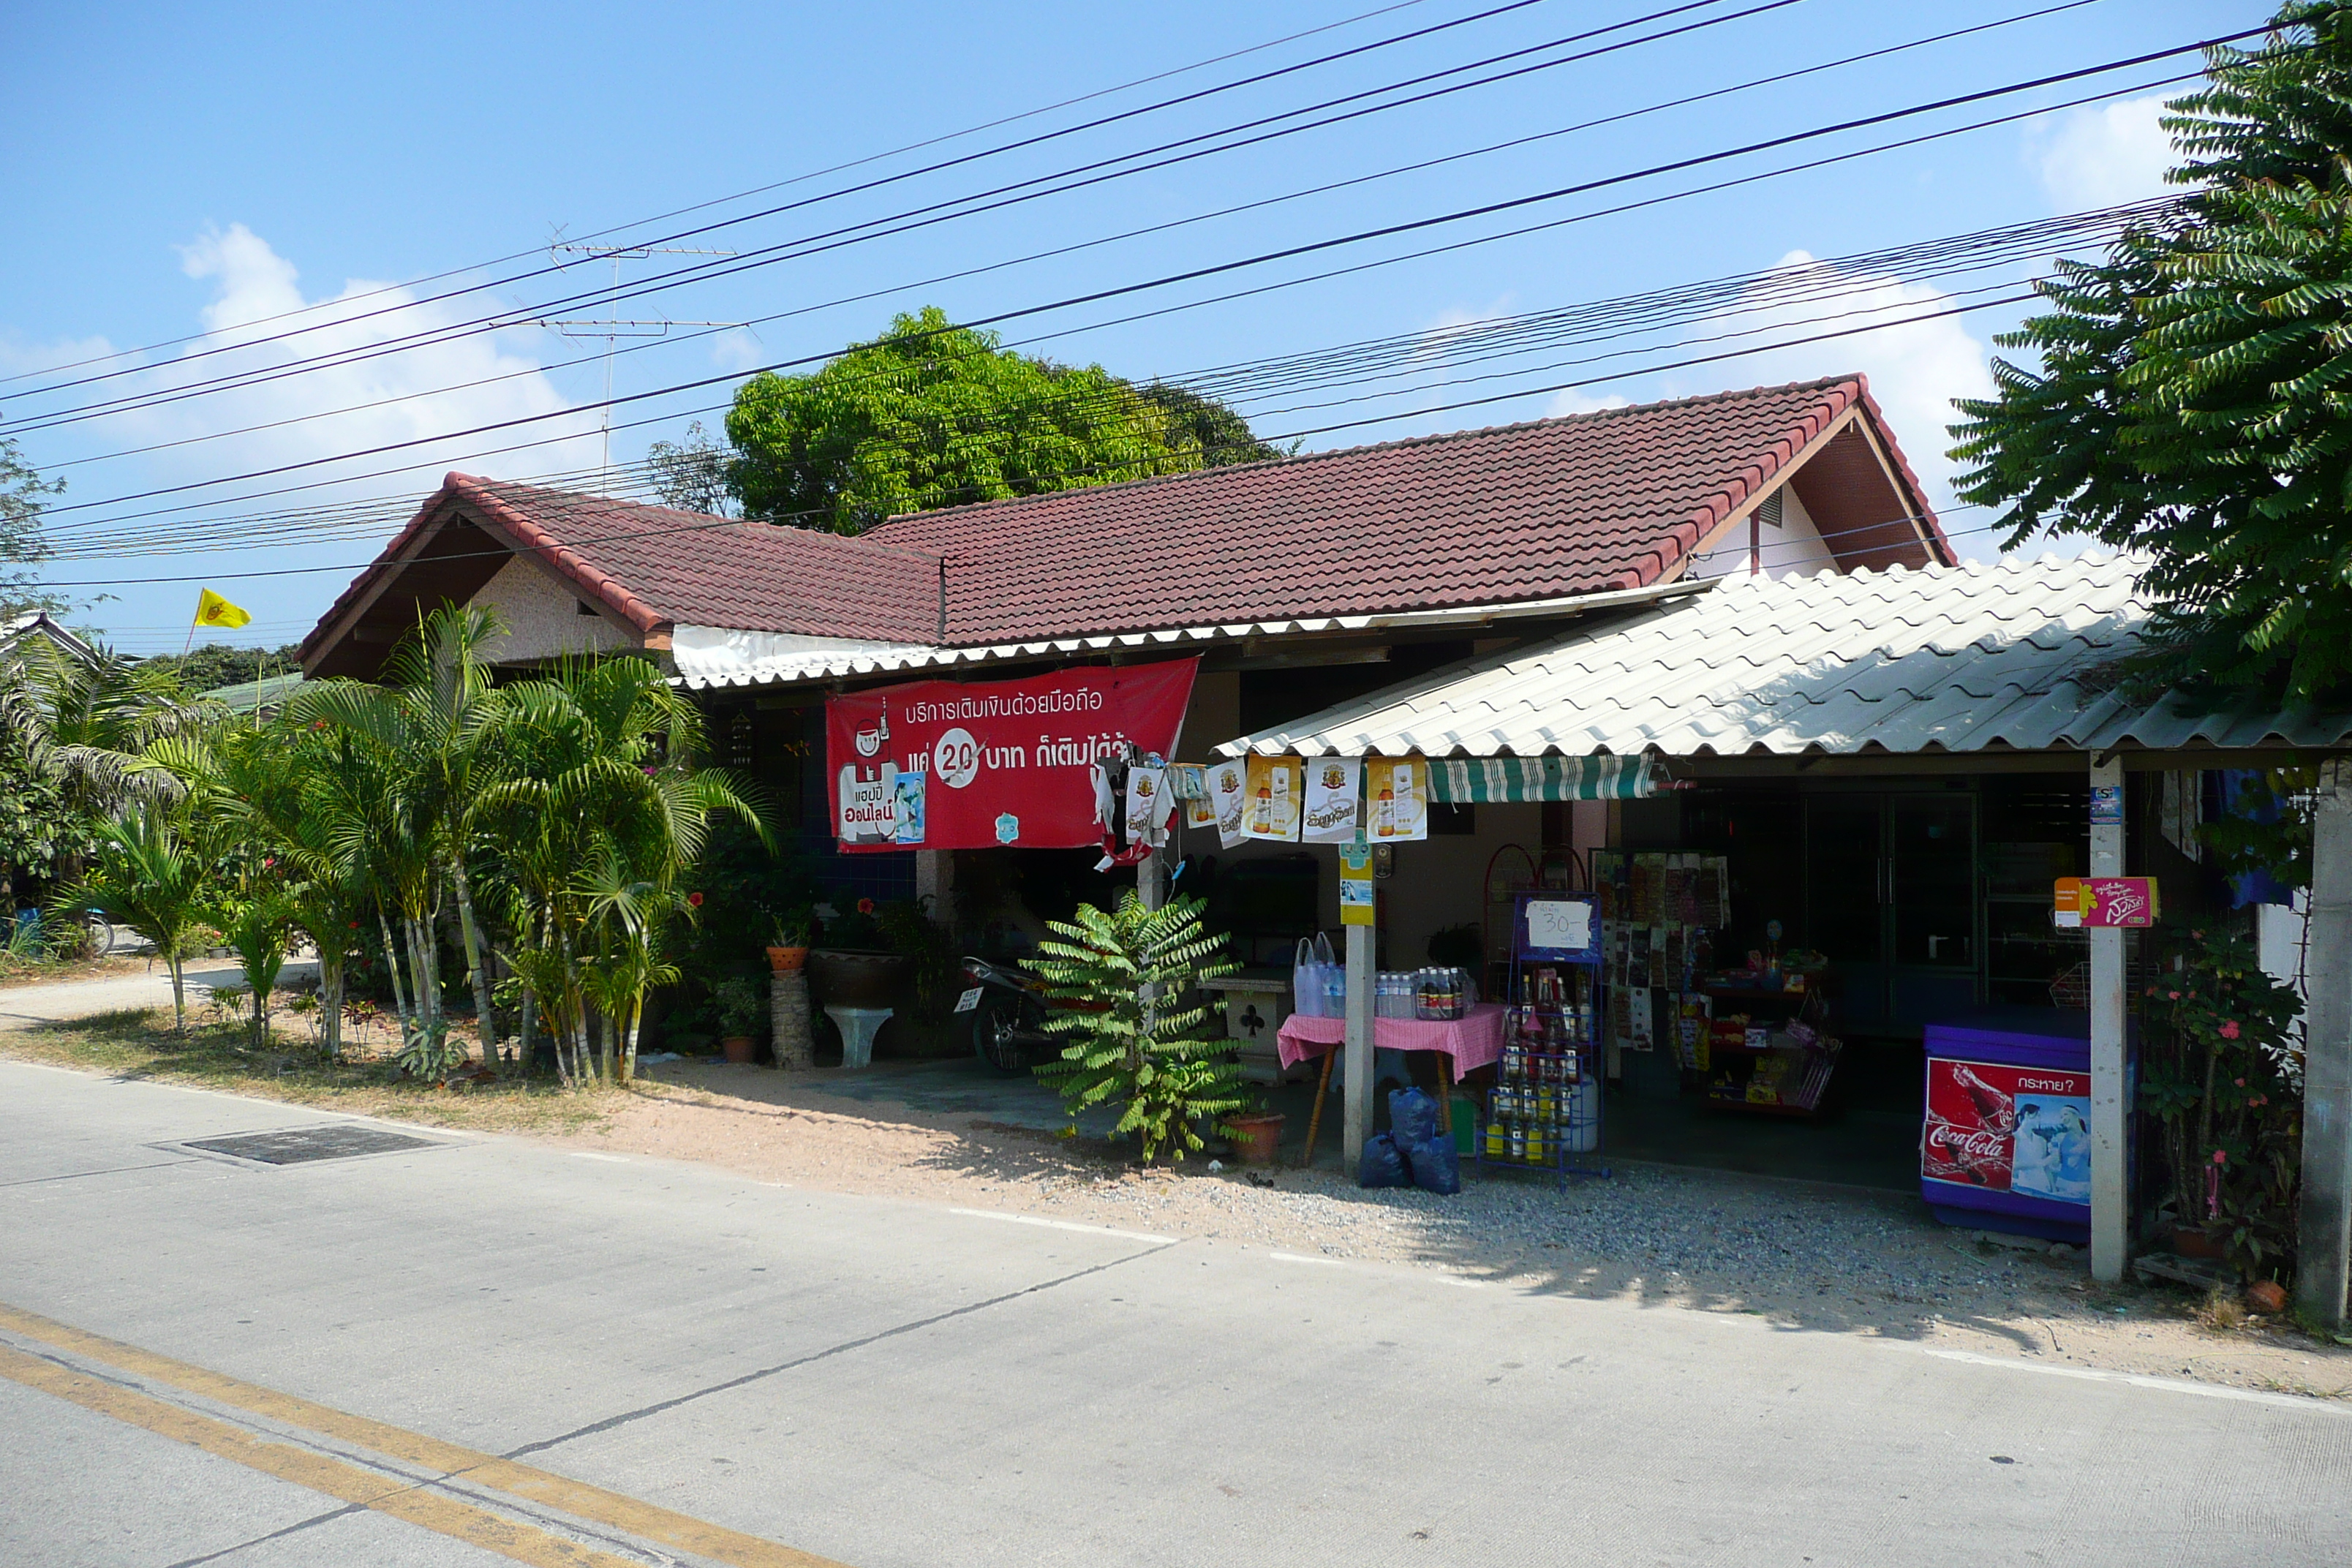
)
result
[(2007, 1141)]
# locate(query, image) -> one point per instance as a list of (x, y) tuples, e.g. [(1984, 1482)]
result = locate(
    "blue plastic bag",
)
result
[(1412, 1116), (1436, 1165), (1382, 1164)]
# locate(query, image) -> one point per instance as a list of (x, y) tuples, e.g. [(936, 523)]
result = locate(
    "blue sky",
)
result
[(174, 171)]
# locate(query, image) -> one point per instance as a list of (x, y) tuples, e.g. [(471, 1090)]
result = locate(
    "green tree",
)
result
[(2194, 398), (1123, 981), (933, 415), (201, 669), (23, 545), (84, 726)]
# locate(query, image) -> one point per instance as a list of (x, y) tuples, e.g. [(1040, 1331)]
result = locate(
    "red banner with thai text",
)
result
[(949, 765)]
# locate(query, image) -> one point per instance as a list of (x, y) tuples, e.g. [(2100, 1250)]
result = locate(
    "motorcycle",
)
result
[(1007, 1010)]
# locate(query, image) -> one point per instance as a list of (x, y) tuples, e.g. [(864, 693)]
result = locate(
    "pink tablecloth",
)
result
[(1473, 1040)]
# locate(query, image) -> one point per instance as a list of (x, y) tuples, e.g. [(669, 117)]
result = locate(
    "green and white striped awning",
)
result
[(1462, 781)]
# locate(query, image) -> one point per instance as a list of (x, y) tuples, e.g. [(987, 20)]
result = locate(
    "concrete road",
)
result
[(71, 999), (485, 1351)]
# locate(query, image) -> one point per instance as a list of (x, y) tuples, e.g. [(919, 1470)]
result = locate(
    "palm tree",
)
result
[(630, 915), (85, 725), (147, 878)]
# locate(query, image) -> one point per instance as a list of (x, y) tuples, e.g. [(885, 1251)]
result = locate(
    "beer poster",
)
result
[(1332, 790), (2008, 1129), (1276, 786), (1396, 800), (1229, 800)]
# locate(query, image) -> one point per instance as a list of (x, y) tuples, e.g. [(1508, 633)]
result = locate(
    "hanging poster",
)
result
[(1396, 800), (906, 814), (1004, 761), (1148, 804), (1188, 782), (1229, 799), (1274, 788), (1332, 792)]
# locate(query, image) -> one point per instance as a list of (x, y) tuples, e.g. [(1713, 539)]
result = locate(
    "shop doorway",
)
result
[(1892, 900)]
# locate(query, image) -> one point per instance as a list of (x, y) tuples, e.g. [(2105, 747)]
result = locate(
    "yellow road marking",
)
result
[(577, 1498), (387, 1495)]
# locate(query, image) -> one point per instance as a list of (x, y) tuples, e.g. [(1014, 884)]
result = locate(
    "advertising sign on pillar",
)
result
[(1396, 800), (945, 764), (2092, 902), (1275, 787), (1355, 905)]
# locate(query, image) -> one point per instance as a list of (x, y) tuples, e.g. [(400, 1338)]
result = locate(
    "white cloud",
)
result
[(1916, 369), (404, 391), (738, 349), (2103, 155), (1574, 401)]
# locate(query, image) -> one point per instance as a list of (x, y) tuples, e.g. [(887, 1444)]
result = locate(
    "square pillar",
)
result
[(1356, 1118), (934, 881), (2324, 1241), (2110, 1079)]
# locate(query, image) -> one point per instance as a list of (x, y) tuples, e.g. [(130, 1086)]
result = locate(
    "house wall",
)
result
[(542, 616), (1795, 546)]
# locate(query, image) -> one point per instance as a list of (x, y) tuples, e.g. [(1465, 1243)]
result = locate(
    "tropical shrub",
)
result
[(1123, 984)]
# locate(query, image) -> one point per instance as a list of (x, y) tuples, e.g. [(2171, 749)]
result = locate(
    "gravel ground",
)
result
[(1811, 1256)]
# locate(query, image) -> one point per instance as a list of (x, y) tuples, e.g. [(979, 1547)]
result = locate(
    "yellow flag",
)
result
[(212, 610)]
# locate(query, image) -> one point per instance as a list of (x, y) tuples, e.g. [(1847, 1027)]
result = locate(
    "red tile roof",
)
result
[(1519, 512), (1592, 502)]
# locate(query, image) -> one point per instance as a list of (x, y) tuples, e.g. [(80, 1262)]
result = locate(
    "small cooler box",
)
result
[(2006, 1144)]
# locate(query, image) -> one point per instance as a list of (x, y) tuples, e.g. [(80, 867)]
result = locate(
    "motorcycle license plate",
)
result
[(969, 1000)]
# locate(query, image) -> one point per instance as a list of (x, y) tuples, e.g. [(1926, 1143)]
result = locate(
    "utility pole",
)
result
[(611, 327)]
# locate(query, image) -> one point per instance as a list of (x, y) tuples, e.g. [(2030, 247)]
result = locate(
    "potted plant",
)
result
[(1256, 1133), (788, 946), (739, 1007), (853, 968)]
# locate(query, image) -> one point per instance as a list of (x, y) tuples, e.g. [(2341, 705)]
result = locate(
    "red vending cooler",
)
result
[(2007, 1141)]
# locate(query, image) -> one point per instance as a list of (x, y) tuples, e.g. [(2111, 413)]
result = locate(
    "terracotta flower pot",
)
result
[(2267, 1297), (787, 960), (2189, 1241), (1255, 1136), (739, 1048), (845, 978)]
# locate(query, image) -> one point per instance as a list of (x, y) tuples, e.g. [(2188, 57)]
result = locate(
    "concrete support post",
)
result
[(935, 883), (1355, 1121), (1151, 882), (2324, 1245), (2110, 1081)]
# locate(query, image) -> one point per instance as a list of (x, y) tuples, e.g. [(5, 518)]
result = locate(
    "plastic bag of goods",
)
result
[(1412, 1116), (1383, 1163), (1310, 976), (1436, 1165)]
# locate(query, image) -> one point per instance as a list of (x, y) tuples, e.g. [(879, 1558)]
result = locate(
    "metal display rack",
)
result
[(1543, 1112)]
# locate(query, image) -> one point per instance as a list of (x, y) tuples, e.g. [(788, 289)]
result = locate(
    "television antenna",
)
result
[(613, 327)]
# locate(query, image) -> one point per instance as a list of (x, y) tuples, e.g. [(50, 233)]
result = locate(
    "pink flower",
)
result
[(865, 906), (2173, 994), (2240, 1082), (2229, 1032), (2221, 1156)]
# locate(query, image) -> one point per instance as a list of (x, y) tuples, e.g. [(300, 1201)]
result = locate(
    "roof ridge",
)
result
[(1478, 431)]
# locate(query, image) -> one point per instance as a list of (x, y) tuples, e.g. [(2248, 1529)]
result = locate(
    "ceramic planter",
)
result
[(1255, 1136), (787, 960), (842, 977), (739, 1048)]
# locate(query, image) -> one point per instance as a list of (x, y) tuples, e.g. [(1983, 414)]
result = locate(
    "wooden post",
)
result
[(2110, 1213), (2323, 1244), (1356, 1116)]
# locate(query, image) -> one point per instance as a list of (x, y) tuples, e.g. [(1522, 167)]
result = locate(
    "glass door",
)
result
[(1933, 910), (1846, 875)]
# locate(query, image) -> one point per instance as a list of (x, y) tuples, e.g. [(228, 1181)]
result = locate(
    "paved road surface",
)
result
[(485, 1351)]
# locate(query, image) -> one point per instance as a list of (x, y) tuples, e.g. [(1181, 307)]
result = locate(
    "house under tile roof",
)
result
[(2017, 657), (1621, 499)]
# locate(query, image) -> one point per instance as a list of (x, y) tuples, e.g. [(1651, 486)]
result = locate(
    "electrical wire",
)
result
[(1776, 79), (823, 241), (1385, 231)]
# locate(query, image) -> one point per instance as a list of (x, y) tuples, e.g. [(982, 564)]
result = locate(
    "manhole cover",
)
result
[(298, 1145)]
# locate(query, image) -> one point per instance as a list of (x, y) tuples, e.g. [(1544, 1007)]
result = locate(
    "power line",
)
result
[(1775, 79), (907, 219), (741, 195), (1685, 363), (1383, 231)]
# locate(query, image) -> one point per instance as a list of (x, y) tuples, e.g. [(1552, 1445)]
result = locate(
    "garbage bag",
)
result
[(1382, 1164), (1436, 1165), (1412, 1116)]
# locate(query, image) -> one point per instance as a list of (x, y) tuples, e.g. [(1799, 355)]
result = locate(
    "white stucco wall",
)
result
[(1795, 546), (542, 616)]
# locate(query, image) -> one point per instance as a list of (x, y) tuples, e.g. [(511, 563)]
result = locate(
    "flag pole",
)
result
[(191, 641)]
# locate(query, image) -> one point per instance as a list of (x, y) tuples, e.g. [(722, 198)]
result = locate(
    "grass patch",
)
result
[(220, 1054)]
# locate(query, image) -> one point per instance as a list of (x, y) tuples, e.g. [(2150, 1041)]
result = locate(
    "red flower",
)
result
[(2229, 1032), (865, 906), (694, 900), (2221, 1156)]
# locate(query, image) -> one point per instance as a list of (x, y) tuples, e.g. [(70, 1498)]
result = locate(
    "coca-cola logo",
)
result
[(1980, 1144)]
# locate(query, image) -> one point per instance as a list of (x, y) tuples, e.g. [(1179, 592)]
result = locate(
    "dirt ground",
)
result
[(1811, 1256)]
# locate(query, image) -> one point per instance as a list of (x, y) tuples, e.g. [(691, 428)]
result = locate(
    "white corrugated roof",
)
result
[(1956, 658)]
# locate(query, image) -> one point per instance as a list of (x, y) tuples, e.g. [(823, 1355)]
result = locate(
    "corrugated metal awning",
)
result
[(1464, 781)]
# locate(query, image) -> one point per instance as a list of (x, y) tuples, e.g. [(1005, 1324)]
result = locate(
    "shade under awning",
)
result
[(1469, 781)]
